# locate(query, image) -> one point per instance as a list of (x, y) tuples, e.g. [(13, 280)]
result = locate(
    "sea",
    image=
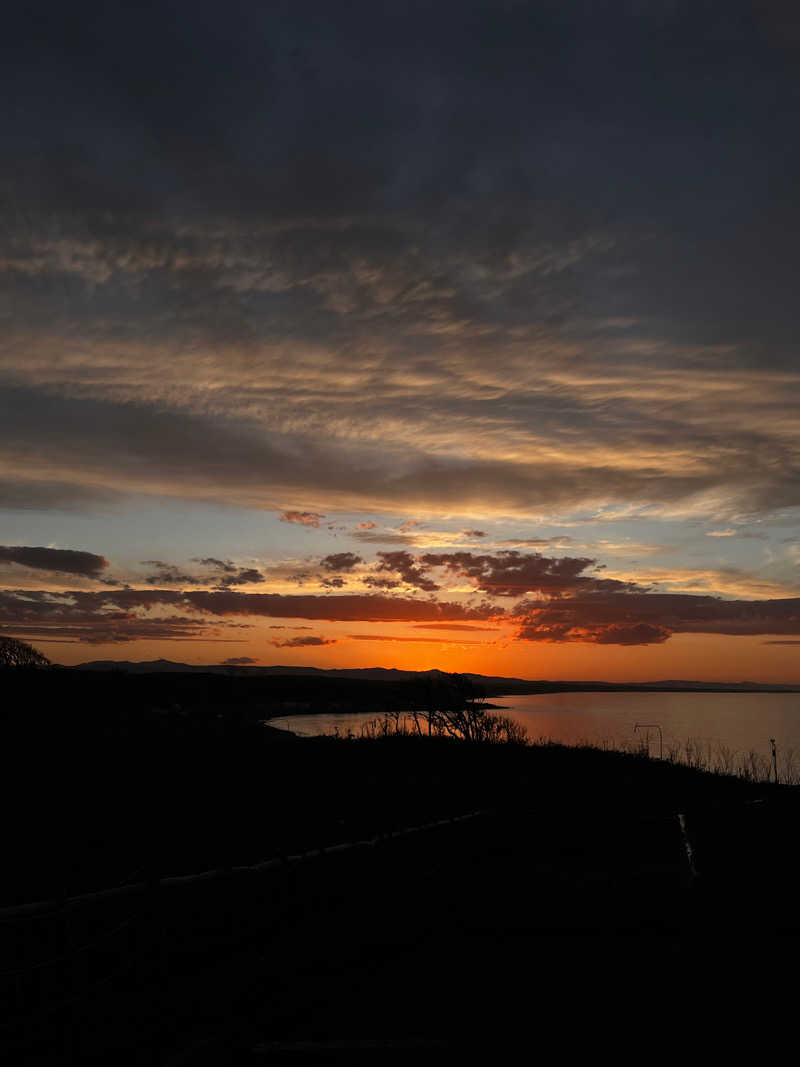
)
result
[(720, 725)]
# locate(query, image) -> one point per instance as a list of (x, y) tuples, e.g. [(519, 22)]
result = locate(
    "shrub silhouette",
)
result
[(14, 653)]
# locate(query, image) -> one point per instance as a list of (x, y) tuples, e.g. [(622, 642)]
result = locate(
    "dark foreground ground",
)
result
[(563, 916)]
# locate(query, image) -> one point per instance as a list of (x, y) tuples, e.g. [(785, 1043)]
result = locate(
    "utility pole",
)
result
[(774, 759)]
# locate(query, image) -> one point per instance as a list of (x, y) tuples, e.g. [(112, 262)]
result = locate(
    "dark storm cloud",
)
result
[(63, 560)]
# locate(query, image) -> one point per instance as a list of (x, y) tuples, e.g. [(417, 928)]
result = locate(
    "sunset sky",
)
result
[(452, 334)]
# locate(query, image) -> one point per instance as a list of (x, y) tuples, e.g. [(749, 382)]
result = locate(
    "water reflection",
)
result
[(736, 722)]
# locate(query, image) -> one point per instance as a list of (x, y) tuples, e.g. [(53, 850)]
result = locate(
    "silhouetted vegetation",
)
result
[(18, 654)]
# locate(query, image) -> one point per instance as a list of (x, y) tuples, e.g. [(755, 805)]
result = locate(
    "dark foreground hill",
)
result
[(249, 696), (201, 890)]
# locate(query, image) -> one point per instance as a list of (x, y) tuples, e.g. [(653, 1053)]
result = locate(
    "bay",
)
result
[(740, 723)]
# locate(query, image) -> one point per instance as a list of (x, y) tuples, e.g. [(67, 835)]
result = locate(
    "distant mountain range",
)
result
[(496, 684)]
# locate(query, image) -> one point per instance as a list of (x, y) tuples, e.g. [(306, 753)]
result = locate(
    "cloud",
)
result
[(511, 574), (235, 457), (368, 538), (21, 493), (422, 640), (63, 560), (225, 573), (121, 614), (303, 518), (112, 616), (220, 564), (539, 542), (340, 561), (332, 608), (243, 576), (721, 581), (168, 574), (304, 642), (373, 308), (239, 661), (601, 612), (640, 633), (432, 538), (404, 565), (102, 630), (650, 618)]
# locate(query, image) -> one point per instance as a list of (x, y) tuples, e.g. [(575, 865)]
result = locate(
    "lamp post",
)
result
[(651, 726)]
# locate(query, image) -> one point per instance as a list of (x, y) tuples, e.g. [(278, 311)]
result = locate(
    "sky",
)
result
[(456, 335)]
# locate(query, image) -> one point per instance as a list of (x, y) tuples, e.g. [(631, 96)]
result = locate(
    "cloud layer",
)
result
[(61, 560), (533, 598), (370, 267)]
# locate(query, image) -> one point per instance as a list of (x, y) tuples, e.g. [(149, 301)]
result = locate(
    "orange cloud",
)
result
[(303, 518)]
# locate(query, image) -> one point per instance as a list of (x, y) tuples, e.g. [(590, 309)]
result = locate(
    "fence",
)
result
[(129, 940)]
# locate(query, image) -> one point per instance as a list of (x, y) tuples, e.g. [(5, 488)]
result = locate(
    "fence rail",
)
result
[(65, 953)]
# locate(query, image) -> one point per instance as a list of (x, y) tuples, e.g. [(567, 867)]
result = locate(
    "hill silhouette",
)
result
[(492, 685)]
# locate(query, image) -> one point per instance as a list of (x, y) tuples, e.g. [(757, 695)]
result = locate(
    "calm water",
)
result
[(742, 721)]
